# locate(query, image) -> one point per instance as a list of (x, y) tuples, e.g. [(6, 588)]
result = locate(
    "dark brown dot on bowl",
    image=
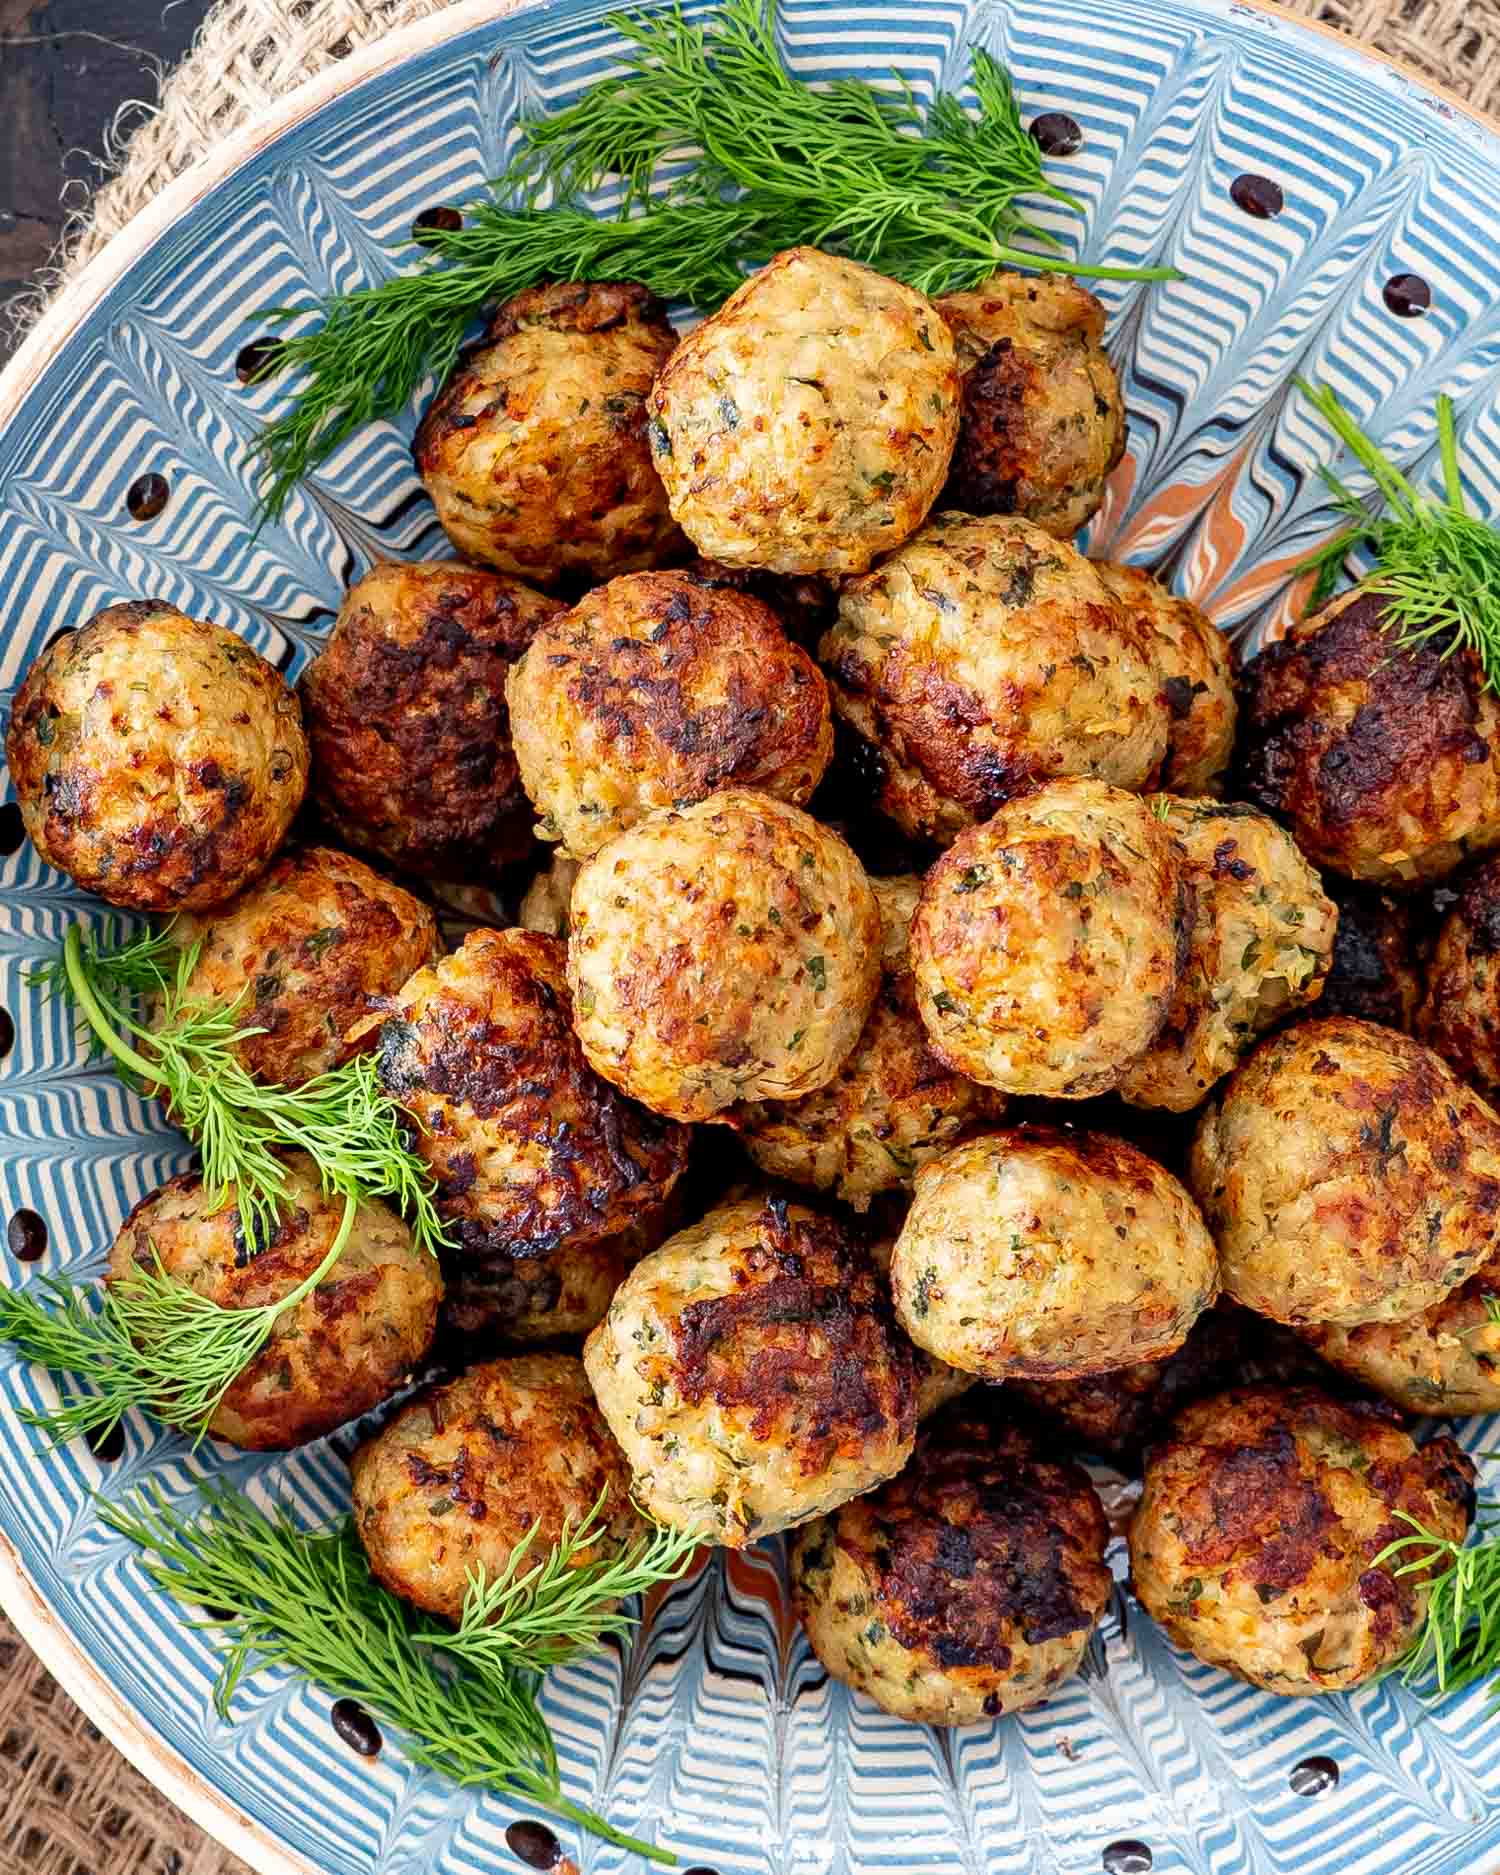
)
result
[(12, 829), (357, 1729), (534, 1843), (7, 1033), (1313, 1776), (255, 358), (1407, 295), (1257, 195), (108, 1446), (439, 220), (26, 1233), (1057, 134), (700, 1871), (147, 496), (1126, 1858)]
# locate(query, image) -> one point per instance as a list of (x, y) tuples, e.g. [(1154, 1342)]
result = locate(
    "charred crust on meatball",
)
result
[(804, 603), (1376, 970)]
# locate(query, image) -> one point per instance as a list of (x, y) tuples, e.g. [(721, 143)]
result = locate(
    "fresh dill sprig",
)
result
[(1437, 566), (1459, 1641), (726, 158), (465, 1700)]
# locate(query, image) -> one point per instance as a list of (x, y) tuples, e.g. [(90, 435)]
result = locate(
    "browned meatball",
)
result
[(341, 1350), (803, 602), (1383, 759), (157, 760), (966, 1587), (535, 451), (1460, 1012), (305, 955), (1255, 1540), (1445, 1360), (530, 1148), (406, 715), (1043, 421), (654, 691), (466, 1472), (1376, 973)]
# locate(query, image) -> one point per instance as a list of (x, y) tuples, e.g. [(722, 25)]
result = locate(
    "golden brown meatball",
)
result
[(892, 1105), (512, 1451), (966, 1587), (544, 905), (1255, 1539), (1048, 942), (803, 603), (807, 425), (1039, 1253), (406, 715), (535, 453), (1262, 937), (653, 692), (1376, 972), (530, 1149), (726, 952), (1043, 421), (1195, 658), (1460, 1012), (341, 1350), (156, 759), (305, 955), (1348, 1175), (1383, 759), (753, 1372), (1445, 1360), (984, 657)]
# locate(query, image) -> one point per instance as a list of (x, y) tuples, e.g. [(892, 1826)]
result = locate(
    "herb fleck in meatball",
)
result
[(157, 760), (1047, 944), (1198, 665), (305, 955), (467, 1471), (1255, 1539), (1039, 1253), (726, 952), (1376, 972), (1348, 1175), (1383, 759), (753, 1372), (535, 452), (983, 657), (1445, 1360), (406, 716), (1460, 1012), (892, 1105), (655, 691), (1043, 421), (338, 1353), (807, 425), (966, 1587), (530, 1149), (1261, 941)]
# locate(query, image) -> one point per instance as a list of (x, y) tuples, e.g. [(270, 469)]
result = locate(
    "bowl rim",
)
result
[(40, 1628)]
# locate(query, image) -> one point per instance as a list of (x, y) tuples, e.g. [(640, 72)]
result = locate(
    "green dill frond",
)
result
[(1459, 1641)]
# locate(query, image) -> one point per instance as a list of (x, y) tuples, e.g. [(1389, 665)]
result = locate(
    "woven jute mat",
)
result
[(69, 1804)]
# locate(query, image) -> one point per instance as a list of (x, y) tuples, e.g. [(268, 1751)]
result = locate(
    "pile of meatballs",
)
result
[(952, 1018)]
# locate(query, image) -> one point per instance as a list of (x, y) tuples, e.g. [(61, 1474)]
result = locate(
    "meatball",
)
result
[(406, 715), (1460, 1012), (1445, 1360), (892, 1105), (305, 955), (653, 692), (967, 1587), (806, 427), (529, 1148), (544, 906), (157, 760), (343, 1349), (1255, 1539), (753, 1372), (1383, 758), (726, 952), (1038, 1253), (1376, 972), (511, 1452), (1348, 1175), (1048, 942), (1043, 422), (1197, 662), (803, 603), (984, 657), (535, 452), (1262, 938)]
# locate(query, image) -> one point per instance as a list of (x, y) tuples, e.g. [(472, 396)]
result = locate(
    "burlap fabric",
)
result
[(69, 1804)]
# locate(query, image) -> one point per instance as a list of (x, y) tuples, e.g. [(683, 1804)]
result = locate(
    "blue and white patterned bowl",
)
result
[(718, 1732)]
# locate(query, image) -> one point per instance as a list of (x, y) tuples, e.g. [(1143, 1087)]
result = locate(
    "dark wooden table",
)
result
[(66, 67)]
